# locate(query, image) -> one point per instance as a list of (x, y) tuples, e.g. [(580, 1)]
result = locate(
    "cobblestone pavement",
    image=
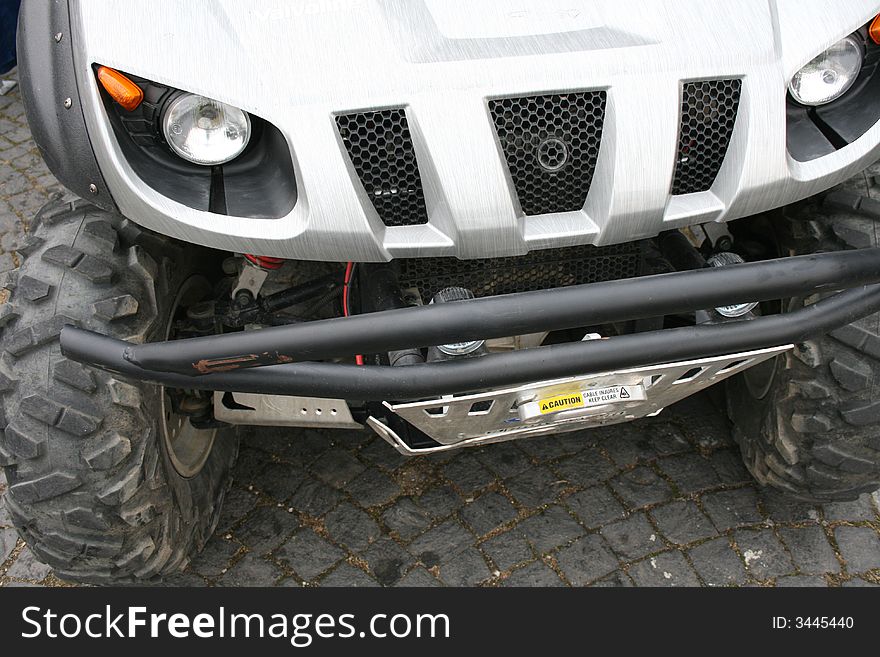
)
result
[(659, 502)]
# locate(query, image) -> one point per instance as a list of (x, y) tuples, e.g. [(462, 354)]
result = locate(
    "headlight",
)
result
[(828, 76), (205, 131)]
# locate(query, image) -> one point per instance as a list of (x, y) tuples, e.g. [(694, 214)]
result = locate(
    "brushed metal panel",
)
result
[(297, 64)]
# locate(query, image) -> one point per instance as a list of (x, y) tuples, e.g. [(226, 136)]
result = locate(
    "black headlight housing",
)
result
[(813, 132), (259, 183)]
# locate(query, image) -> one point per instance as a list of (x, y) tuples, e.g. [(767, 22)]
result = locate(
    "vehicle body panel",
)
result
[(298, 64)]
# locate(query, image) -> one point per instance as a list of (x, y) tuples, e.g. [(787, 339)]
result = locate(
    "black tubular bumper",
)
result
[(224, 362)]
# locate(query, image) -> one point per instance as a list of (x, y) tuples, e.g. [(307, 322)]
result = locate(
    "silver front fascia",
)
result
[(298, 64)]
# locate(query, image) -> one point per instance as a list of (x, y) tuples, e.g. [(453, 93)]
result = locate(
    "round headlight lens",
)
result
[(828, 76), (205, 131)]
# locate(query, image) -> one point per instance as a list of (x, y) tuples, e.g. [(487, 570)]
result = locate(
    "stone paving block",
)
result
[(381, 454), (279, 481), (810, 549), (351, 527), (703, 421), (468, 568), (22, 585), (467, 474), (860, 548), (249, 465), (406, 518), (214, 560), (307, 554), (861, 509), (550, 529), (27, 566), (373, 488), (251, 570), (717, 563), (387, 560), (186, 579), (784, 509), (595, 506), (314, 498), (586, 560), (300, 448), (489, 511), (667, 439), (418, 577), (552, 448), (440, 501), (732, 508), (682, 522), (665, 569), (589, 467), (641, 487), (858, 582), (535, 574), (633, 538), (267, 528), (508, 549), (236, 506), (618, 579), (8, 538), (442, 543), (629, 445), (347, 575), (535, 487), (505, 459), (801, 581), (337, 467), (690, 472), (764, 555)]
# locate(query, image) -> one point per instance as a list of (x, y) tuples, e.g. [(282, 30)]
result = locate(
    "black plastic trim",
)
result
[(47, 78), (813, 132), (259, 183)]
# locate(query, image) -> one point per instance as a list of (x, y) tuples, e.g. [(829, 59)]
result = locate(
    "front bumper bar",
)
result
[(224, 362)]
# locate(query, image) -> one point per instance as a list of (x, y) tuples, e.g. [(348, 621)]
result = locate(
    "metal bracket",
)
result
[(282, 411), (251, 278)]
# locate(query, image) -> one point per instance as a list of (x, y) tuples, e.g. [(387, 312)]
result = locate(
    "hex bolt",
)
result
[(724, 243), (93, 188), (58, 37), (244, 298), (68, 103)]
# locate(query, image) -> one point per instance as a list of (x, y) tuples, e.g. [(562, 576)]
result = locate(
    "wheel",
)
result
[(108, 482), (806, 422)]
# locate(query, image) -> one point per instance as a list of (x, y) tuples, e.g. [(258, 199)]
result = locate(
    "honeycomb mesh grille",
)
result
[(381, 150), (708, 113), (551, 144), (539, 270)]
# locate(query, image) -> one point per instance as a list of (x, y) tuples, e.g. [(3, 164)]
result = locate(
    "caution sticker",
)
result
[(607, 395), (561, 403)]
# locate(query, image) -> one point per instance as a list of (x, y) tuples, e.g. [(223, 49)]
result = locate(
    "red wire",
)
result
[(265, 262), (349, 268)]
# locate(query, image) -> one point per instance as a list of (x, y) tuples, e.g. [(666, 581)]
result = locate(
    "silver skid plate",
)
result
[(564, 404)]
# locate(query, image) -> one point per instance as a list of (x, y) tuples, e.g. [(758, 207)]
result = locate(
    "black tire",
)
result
[(92, 488), (807, 422)]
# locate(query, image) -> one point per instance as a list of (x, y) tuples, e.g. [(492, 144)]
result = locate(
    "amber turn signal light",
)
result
[(121, 89), (874, 30)]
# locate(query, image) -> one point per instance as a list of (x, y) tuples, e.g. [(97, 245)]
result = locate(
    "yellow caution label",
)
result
[(561, 403)]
